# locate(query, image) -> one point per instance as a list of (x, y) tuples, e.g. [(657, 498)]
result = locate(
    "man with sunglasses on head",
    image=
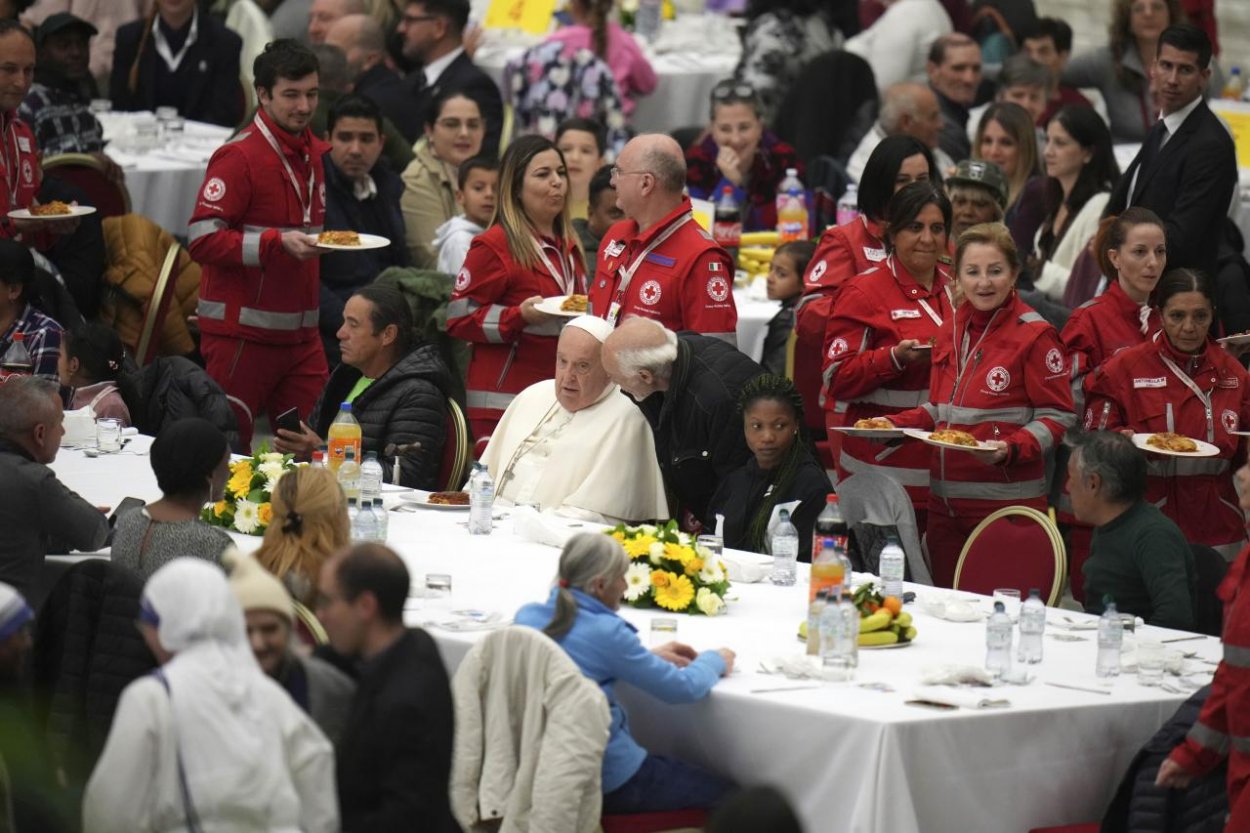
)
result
[(658, 263)]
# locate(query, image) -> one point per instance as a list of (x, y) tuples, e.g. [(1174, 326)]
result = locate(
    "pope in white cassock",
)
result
[(575, 445)]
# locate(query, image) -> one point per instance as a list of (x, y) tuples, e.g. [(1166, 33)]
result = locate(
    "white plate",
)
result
[(74, 211), (1204, 449), (422, 498), (1237, 338), (873, 433), (551, 306), (917, 434), (367, 241)]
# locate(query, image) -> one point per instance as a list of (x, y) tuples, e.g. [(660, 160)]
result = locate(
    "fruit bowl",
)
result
[(882, 621)]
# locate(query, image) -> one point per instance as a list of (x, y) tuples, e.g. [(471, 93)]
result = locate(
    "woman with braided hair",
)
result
[(783, 470), (591, 29), (309, 525)]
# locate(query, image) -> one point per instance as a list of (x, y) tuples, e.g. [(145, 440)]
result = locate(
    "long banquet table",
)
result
[(851, 758)]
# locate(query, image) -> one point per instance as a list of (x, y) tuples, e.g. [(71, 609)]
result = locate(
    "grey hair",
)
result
[(1022, 71), (26, 401), (586, 557), (669, 169), (333, 73), (370, 36), (899, 100), (656, 360), (1119, 464)]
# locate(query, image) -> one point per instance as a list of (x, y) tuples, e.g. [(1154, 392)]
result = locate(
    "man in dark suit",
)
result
[(394, 755), (1186, 170), (364, 43), (433, 33), (181, 59)]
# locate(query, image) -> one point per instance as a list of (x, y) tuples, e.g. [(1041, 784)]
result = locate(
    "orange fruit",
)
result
[(893, 604)]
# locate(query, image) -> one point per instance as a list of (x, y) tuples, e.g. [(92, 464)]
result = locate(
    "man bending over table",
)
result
[(574, 444)]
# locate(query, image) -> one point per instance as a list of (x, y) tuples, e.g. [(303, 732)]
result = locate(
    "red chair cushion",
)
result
[(653, 822), (101, 193), (1068, 828), (1011, 552)]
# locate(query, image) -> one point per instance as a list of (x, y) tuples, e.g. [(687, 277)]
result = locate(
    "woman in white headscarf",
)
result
[(208, 742)]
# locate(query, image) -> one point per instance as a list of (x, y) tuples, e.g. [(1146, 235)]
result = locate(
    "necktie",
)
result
[(1149, 150)]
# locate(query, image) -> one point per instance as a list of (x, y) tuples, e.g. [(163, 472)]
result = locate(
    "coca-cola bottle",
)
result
[(16, 360), (727, 223)]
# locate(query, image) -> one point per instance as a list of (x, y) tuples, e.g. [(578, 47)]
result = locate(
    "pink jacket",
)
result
[(633, 73)]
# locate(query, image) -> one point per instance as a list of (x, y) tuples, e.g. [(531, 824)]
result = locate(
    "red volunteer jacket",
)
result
[(1014, 386), (1105, 325), (685, 281), (250, 287), (874, 312), (21, 173), (508, 354), (1144, 388), (1223, 727)]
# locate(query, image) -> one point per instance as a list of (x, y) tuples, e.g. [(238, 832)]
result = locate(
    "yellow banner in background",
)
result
[(1236, 114), (530, 16)]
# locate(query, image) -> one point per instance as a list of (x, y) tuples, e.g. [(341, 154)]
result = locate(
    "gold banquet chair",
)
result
[(1017, 546), (87, 173), (457, 449), (158, 307)]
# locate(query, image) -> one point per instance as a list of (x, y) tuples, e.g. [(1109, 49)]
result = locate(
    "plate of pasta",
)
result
[(949, 438), (52, 210), (875, 427), (1174, 445), (565, 306), (350, 241), (454, 501)]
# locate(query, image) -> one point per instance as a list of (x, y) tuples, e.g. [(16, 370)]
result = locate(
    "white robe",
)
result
[(597, 464)]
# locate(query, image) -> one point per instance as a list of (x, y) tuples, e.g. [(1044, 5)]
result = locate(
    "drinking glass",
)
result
[(108, 433), (1010, 597), (147, 135), (101, 105), (713, 542), (1149, 662), (437, 595), (663, 629)]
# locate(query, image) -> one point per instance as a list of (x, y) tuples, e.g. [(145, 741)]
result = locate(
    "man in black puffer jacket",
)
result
[(687, 386), (398, 391)]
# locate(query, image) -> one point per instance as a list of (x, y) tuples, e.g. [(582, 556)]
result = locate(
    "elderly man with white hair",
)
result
[(574, 445), (907, 109)]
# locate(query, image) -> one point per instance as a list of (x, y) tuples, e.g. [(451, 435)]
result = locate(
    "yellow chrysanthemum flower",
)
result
[(693, 566), (638, 547), (240, 479), (676, 594), (676, 552), (265, 513)]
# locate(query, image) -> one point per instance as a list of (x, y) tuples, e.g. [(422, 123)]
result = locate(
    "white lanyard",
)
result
[(961, 363), (305, 205), (565, 276), (937, 319), (627, 272), (162, 46), (1202, 397)]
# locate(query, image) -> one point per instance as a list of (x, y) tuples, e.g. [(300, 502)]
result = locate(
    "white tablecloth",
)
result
[(163, 183), (852, 759), (690, 57)]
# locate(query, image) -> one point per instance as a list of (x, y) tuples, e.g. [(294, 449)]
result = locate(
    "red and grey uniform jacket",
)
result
[(251, 288), (1152, 388), (876, 311), (508, 354), (21, 174), (679, 277), (999, 375)]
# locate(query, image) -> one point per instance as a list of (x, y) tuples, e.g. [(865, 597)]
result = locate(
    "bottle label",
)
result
[(727, 234), (789, 231), (338, 446)]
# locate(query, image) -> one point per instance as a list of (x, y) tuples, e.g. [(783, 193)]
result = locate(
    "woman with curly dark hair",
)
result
[(783, 469)]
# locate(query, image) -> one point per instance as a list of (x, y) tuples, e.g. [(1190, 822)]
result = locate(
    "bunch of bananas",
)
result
[(755, 256), (882, 619)]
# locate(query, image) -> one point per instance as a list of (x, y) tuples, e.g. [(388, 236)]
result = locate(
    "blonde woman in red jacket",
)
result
[(880, 333), (999, 374), (530, 252), (1182, 381)]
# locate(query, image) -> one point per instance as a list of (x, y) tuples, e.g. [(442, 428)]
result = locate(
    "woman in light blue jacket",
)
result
[(581, 615)]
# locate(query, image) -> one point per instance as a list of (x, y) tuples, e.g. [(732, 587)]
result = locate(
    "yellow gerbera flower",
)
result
[(240, 479), (638, 547), (676, 594), (676, 552), (265, 512)]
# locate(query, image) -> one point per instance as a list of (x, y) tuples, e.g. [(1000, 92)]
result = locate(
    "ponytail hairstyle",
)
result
[(587, 557), (1176, 281), (1113, 231), (598, 11), (132, 80), (98, 350), (775, 389), (308, 525)]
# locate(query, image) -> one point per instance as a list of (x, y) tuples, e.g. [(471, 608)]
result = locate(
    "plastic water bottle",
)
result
[(349, 474), (815, 610), (383, 520), (352, 511), (791, 208), (892, 569), (1032, 628), (784, 545), (481, 501), (998, 642), (848, 206), (839, 637), (370, 477), (1110, 639), (647, 18), (365, 528)]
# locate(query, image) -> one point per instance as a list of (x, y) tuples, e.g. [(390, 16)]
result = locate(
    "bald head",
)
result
[(652, 174), (324, 13), (639, 356), (362, 40), (910, 109)]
